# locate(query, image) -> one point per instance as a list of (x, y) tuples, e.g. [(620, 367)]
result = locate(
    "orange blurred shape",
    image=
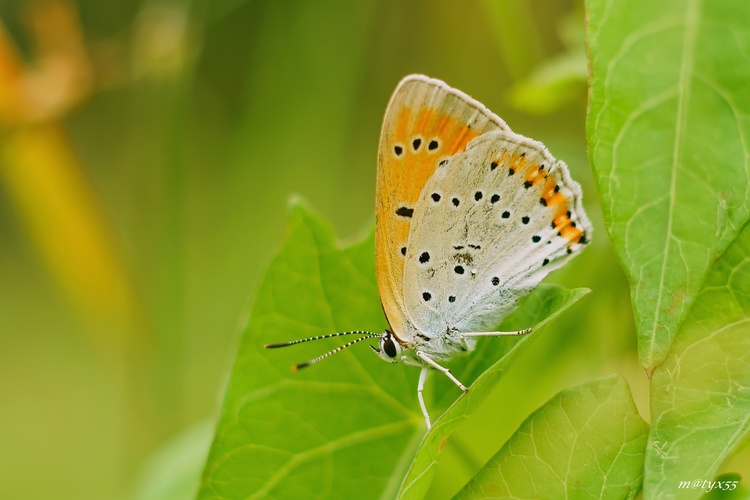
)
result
[(61, 75), (54, 198)]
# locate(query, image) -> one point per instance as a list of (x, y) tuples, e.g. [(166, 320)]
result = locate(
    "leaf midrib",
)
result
[(686, 70)]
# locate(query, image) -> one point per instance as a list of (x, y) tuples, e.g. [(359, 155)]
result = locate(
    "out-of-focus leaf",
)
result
[(559, 79), (551, 85), (174, 471), (586, 442)]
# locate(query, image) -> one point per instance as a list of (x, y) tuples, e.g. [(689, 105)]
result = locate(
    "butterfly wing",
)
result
[(490, 224), (426, 122)]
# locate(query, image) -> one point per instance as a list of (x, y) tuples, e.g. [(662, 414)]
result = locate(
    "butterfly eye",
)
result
[(389, 348)]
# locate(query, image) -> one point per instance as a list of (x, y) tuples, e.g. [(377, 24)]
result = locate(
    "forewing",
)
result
[(426, 123), (490, 224)]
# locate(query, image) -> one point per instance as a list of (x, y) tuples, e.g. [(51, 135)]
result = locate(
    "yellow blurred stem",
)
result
[(55, 200), (63, 217)]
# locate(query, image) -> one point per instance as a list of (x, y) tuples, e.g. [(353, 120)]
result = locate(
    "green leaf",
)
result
[(586, 442), (701, 394), (348, 427), (537, 309), (669, 130), (328, 430)]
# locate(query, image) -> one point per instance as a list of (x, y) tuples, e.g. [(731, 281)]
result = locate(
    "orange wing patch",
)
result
[(426, 122), (419, 149), (536, 175), (552, 197)]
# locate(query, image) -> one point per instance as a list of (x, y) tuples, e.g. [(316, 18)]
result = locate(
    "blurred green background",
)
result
[(147, 153)]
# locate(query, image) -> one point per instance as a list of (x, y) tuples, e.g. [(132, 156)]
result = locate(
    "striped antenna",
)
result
[(366, 335)]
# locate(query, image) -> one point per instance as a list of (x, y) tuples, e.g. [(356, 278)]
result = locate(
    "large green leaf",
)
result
[(669, 131), (348, 427), (328, 430), (537, 309), (586, 442), (701, 394)]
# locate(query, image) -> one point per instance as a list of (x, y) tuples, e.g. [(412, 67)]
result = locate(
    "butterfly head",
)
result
[(390, 348)]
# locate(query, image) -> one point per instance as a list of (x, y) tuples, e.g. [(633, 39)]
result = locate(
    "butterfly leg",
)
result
[(495, 334), (441, 369), (420, 388)]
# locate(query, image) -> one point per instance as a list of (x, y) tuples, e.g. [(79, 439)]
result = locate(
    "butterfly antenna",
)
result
[(333, 351), (319, 337), (365, 336)]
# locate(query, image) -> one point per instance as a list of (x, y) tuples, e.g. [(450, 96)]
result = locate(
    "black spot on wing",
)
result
[(405, 212)]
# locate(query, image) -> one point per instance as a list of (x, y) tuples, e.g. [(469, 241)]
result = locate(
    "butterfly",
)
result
[(470, 217)]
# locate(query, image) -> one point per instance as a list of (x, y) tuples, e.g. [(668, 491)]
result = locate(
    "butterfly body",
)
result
[(440, 346), (470, 217)]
